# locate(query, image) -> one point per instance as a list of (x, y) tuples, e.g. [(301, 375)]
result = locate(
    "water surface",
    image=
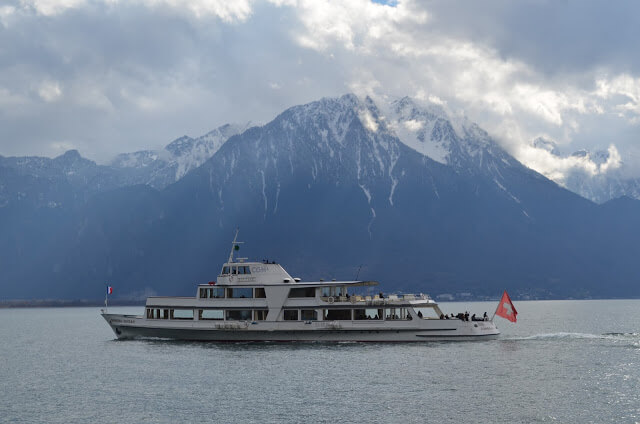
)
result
[(564, 361)]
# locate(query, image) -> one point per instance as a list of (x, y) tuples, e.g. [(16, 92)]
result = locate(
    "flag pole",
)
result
[(106, 298), (494, 312)]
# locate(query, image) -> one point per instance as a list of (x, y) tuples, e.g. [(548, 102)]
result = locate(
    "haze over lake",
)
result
[(563, 361)]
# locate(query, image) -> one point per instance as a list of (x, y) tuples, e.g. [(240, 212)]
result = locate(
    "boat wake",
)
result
[(633, 338)]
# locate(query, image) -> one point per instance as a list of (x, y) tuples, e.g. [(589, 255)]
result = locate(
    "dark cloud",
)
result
[(554, 36)]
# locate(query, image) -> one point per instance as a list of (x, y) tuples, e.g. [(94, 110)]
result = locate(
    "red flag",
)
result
[(506, 309), (109, 290)]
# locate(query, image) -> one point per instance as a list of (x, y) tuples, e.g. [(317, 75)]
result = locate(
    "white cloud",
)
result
[(558, 167), (49, 91), (367, 120), (228, 11), (148, 70), (51, 7)]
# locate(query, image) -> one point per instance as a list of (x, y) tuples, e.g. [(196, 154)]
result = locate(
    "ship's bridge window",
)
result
[(260, 293), (303, 292), (239, 292), (243, 270), (211, 314), (225, 270), (239, 315)]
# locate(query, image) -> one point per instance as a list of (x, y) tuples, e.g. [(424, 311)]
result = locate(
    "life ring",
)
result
[(331, 299)]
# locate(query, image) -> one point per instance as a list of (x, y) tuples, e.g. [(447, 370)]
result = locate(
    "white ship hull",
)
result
[(132, 327)]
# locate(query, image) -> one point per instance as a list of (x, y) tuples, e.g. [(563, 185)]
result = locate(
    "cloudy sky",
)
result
[(110, 76)]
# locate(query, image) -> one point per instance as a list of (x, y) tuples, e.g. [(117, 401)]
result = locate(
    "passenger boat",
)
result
[(260, 301)]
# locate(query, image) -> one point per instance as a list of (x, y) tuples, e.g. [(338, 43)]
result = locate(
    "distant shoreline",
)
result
[(60, 303), (57, 303)]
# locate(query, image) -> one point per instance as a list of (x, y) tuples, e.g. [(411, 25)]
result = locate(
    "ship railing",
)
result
[(374, 300)]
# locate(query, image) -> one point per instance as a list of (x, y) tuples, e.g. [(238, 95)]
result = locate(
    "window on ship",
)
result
[(260, 315), (182, 314), (290, 315), (426, 313), (239, 292), (303, 292), (244, 270), (238, 315), (397, 314), (260, 294), (368, 313), (225, 270), (211, 314), (337, 314), (308, 315)]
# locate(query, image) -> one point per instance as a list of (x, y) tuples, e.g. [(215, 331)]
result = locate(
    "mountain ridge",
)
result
[(325, 187)]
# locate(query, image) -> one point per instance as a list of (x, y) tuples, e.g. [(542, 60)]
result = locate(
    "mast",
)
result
[(234, 245)]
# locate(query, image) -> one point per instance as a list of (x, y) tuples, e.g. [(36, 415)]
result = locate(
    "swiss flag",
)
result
[(506, 309)]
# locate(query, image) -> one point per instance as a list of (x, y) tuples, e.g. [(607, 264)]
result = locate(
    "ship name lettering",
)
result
[(258, 268)]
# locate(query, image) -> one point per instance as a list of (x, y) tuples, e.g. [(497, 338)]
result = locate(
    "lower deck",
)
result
[(126, 326)]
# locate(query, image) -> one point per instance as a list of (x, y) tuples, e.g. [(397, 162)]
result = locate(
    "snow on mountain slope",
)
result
[(428, 129), (161, 168)]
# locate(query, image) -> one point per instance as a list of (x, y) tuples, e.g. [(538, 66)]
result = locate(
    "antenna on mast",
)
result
[(235, 245)]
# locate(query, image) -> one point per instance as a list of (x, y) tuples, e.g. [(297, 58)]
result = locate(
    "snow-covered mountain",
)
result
[(428, 129), (599, 176), (161, 168), (422, 200)]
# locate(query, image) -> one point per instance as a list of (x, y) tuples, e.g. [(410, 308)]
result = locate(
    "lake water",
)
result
[(563, 361)]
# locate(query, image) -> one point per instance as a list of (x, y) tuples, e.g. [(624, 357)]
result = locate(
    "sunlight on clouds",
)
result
[(626, 90), (558, 167), (49, 91), (228, 11), (514, 100), (51, 7), (353, 23)]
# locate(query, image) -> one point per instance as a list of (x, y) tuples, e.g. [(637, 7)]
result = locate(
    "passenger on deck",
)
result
[(485, 316), (441, 315), (420, 314), (447, 316)]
